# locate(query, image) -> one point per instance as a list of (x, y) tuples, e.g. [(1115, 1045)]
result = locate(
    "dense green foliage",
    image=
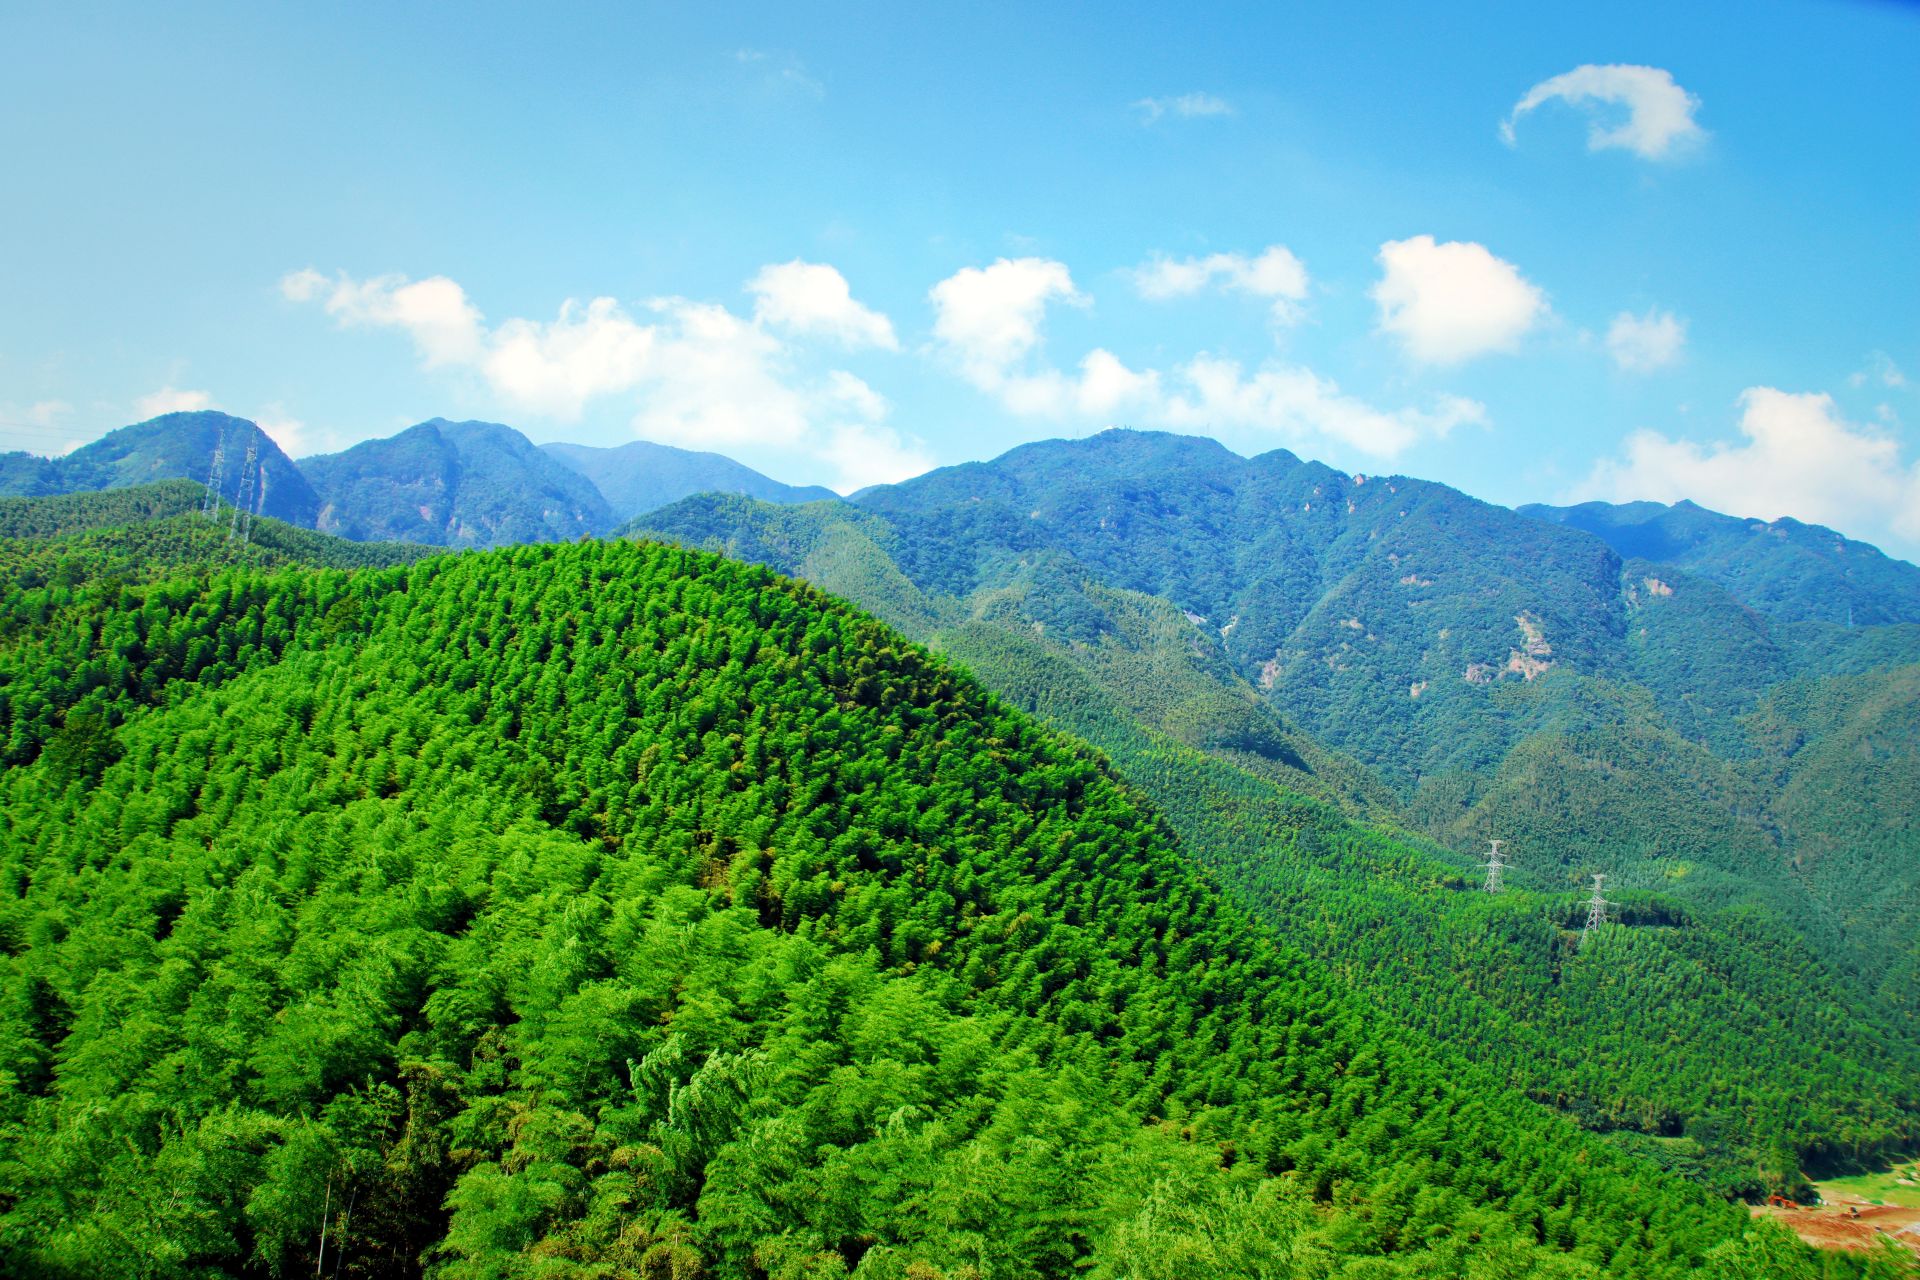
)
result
[(132, 533), (1791, 1042), (1787, 570), (174, 446), (640, 475), (615, 910), (456, 484)]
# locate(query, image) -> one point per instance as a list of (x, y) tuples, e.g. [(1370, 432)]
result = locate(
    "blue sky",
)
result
[(843, 245)]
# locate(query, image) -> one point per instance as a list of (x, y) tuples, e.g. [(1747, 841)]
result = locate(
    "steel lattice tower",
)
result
[(247, 470), (210, 508), (1596, 910), (1494, 866)]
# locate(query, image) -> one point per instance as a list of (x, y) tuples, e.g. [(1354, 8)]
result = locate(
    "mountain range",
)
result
[(633, 903), (453, 484), (1717, 714)]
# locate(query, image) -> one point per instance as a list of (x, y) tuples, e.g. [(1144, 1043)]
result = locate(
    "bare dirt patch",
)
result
[(1834, 1226)]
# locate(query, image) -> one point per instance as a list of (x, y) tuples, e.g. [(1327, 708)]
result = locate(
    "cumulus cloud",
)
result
[(171, 400), (813, 299), (1449, 302), (1641, 344), (1799, 458), (988, 322), (1659, 119), (989, 317), (1275, 275), (444, 325), (556, 366), (696, 373), (1185, 106)]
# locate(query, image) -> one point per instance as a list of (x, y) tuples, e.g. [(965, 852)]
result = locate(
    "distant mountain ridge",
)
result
[(174, 446), (1784, 568), (446, 483), (641, 476), (454, 484)]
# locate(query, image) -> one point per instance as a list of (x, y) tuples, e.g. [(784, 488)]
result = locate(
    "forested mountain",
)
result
[(172, 446), (458, 484), (1784, 991), (639, 476), (612, 909), (1783, 568), (119, 535)]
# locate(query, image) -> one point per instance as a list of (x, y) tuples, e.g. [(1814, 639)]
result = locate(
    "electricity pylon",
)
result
[(1596, 910), (259, 501), (247, 471), (210, 507), (1494, 866)]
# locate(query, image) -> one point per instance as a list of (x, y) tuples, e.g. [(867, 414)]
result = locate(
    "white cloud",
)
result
[(295, 438), (696, 373), (171, 400), (555, 367), (1879, 369), (1659, 113), (989, 322), (1641, 344), (1187, 106), (719, 381), (444, 325), (44, 414), (781, 73), (1275, 275), (867, 453), (989, 317), (1800, 458), (1449, 302), (810, 298)]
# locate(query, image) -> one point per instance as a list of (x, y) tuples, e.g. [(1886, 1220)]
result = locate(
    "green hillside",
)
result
[(1725, 952), (611, 909), (134, 533)]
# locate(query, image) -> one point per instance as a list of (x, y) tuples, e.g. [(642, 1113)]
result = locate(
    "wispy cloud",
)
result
[(1184, 106), (1275, 274), (781, 72), (171, 400), (1642, 344), (1659, 120)]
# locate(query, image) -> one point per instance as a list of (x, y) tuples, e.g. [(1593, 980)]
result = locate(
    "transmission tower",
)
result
[(259, 501), (210, 507), (1596, 911), (247, 472), (1494, 866)]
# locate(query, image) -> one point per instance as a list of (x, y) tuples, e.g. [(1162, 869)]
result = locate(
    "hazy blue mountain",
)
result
[(640, 476), (454, 484), (1786, 569), (172, 446)]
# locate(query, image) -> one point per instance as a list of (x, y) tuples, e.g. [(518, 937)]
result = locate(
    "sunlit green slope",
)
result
[(616, 910)]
